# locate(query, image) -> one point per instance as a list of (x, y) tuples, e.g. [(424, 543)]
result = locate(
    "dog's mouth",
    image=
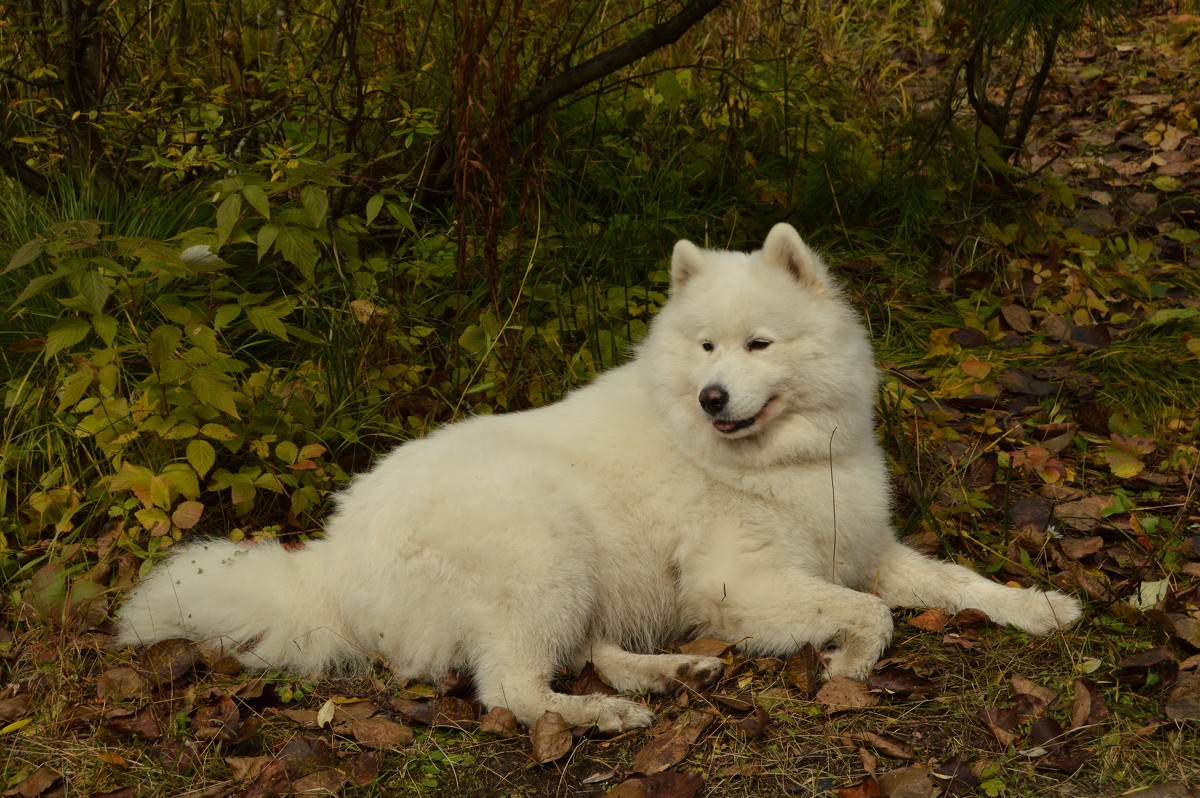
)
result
[(728, 427)]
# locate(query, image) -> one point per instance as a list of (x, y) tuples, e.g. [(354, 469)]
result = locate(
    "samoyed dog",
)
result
[(725, 482)]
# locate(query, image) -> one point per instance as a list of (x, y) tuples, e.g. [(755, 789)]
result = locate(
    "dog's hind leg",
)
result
[(506, 678), (655, 673), (907, 578)]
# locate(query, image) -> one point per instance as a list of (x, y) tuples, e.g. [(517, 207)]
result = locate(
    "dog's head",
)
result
[(758, 351)]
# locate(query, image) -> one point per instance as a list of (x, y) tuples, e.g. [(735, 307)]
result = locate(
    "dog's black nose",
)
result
[(713, 399)]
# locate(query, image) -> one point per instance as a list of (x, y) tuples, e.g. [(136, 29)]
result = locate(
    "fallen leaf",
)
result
[(840, 694), (908, 782), (445, 711), (321, 782), (589, 681), (1089, 710), (969, 619), (167, 660), (659, 785), (145, 723), (303, 755), (217, 719), (500, 722), (1183, 703), (956, 777), (14, 707), (121, 684), (1085, 514), (380, 733), (36, 783), (896, 680), (867, 788), (888, 745), (803, 670), (709, 647), (670, 747), (365, 767), (550, 737), (1032, 511), (931, 620), (1017, 317), (752, 726), (1028, 687), (1136, 668), (177, 756)]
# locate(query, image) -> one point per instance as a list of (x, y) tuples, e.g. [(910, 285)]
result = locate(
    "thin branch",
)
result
[(612, 60)]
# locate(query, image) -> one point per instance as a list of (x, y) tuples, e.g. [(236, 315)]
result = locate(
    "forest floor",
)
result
[(1048, 436)]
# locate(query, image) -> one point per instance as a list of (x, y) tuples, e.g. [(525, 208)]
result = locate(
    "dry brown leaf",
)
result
[(894, 679), (670, 747), (840, 694), (167, 660), (121, 684), (1088, 711), (709, 647), (380, 733), (931, 620), (217, 719), (888, 745), (908, 782), (1085, 514), (14, 707), (36, 783), (500, 722), (867, 788), (321, 782), (550, 737), (1028, 687)]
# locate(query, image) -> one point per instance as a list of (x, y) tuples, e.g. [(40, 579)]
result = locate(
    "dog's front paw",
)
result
[(699, 673), (855, 649), (1042, 612)]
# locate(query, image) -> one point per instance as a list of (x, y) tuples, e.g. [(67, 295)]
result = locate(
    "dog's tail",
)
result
[(264, 605)]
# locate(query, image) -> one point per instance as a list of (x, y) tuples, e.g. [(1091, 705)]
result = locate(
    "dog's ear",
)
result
[(785, 249), (686, 263)]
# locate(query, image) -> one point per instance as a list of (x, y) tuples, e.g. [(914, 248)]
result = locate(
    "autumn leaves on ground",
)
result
[(1042, 414)]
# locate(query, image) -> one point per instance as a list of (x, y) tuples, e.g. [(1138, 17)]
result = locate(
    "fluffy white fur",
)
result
[(689, 491)]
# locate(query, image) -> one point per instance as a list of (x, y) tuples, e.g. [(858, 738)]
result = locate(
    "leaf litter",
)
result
[(1049, 475)]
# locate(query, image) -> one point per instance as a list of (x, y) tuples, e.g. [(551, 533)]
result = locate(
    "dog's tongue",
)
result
[(724, 426)]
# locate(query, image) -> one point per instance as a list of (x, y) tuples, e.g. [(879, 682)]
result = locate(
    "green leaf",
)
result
[(94, 289), (201, 455), (47, 592), (182, 479), (163, 343), (217, 432), (266, 237), (105, 327), (26, 253), (37, 286), (316, 203), (228, 213), (176, 313), (374, 204), (65, 333), (214, 389), (267, 319), (205, 338), (73, 388), (258, 200), (225, 314), (287, 452), (298, 248)]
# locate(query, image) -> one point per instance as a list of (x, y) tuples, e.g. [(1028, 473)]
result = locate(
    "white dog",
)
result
[(725, 482)]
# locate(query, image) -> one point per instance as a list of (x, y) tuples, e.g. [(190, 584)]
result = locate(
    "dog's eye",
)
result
[(707, 346), (758, 343)]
